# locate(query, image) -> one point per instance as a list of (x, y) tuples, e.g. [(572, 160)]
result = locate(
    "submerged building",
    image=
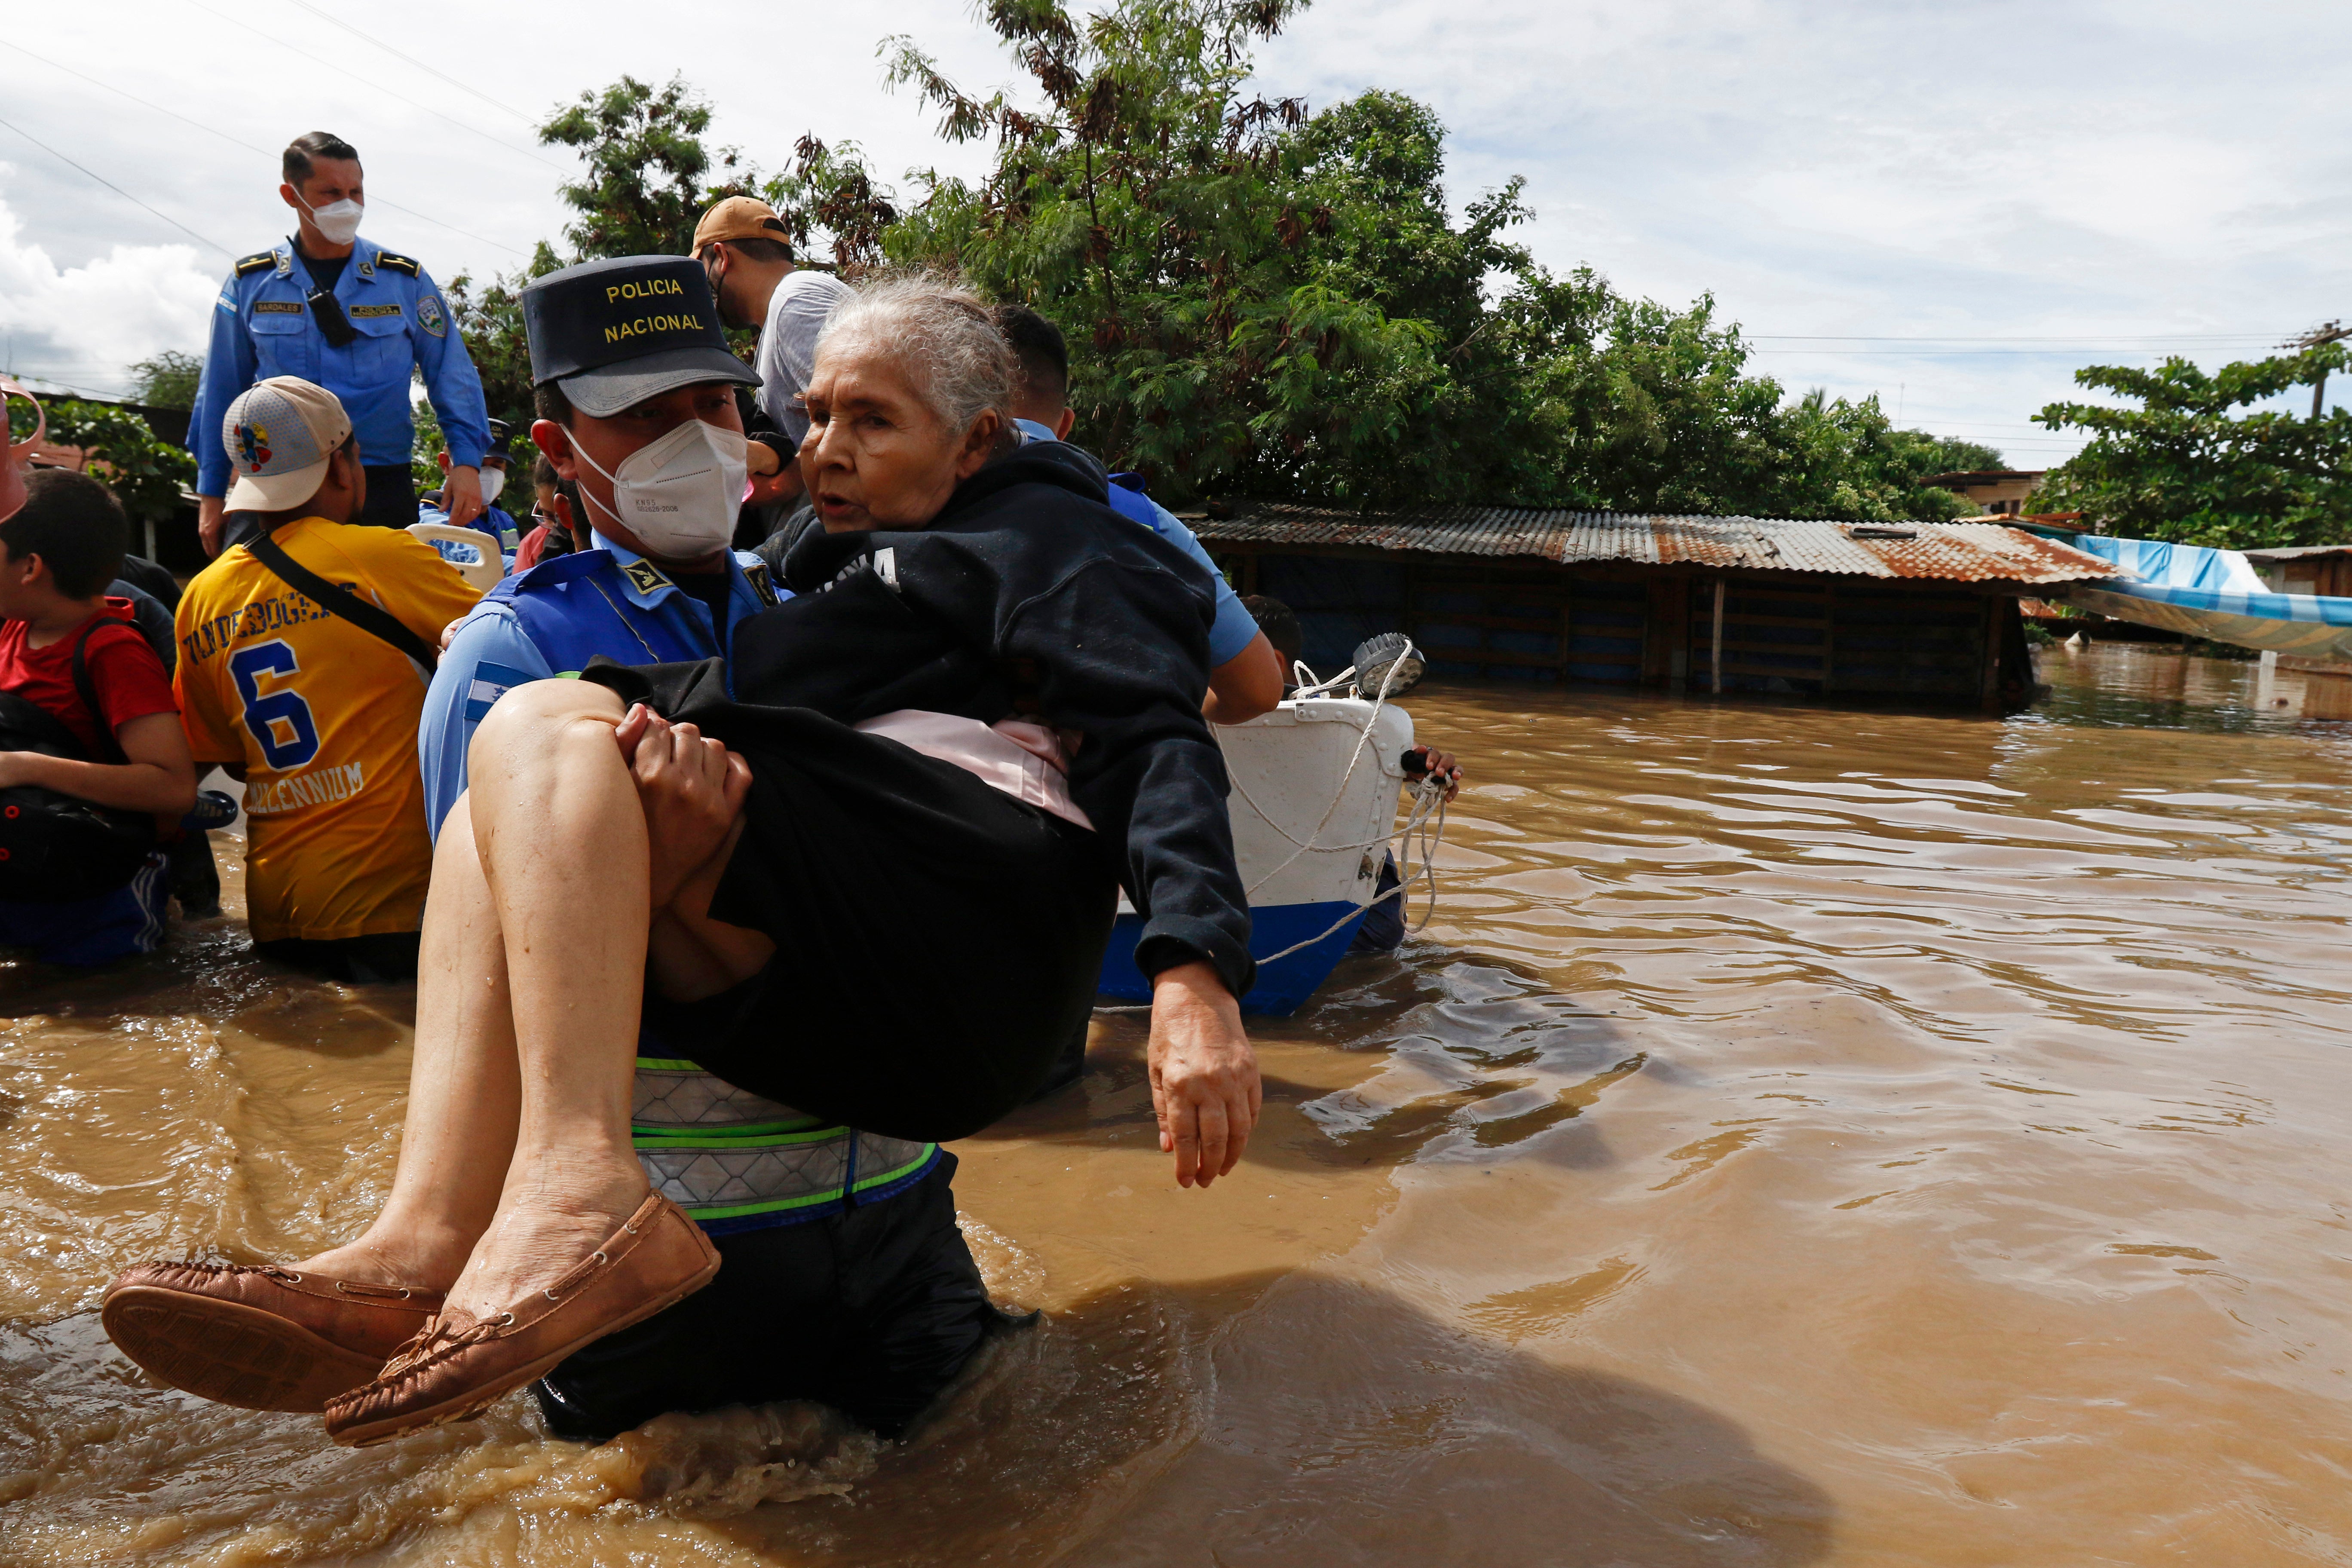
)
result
[(1918, 610)]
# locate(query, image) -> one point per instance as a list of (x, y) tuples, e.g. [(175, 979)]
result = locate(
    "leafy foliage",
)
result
[(168, 380), (1259, 301), (648, 176), (145, 471), (2184, 465), (1283, 305)]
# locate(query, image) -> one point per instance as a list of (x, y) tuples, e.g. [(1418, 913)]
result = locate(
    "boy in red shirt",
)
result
[(58, 554)]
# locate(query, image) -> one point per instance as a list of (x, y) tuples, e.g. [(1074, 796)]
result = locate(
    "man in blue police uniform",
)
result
[(1245, 676), (846, 1279), (635, 595), (492, 520), (353, 317)]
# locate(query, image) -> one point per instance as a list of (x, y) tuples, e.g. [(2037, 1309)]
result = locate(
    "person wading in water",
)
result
[(872, 881)]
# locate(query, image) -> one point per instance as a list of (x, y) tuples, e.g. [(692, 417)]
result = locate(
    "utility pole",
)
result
[(2333, 332)]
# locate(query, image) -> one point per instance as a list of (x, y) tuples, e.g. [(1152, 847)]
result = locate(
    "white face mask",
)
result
[(493, 481), (339, 222), (679, 496)]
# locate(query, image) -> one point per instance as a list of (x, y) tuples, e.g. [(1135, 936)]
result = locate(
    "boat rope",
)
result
[(1426, 824), (1355, 758)]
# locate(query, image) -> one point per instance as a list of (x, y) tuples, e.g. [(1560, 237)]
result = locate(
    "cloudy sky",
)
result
[(1951, 205)]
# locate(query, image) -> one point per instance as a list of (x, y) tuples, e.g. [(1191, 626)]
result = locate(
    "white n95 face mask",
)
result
[(338, 221), (679, 495), (494, 480)]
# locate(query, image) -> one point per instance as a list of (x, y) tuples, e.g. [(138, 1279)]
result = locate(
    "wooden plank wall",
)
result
[(1786, 632)]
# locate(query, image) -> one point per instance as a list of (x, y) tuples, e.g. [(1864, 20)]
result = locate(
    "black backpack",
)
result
[(56, 849)]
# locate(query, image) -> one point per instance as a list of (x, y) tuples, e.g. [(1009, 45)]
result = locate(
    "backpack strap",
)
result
[(110, 750), (377, 622)]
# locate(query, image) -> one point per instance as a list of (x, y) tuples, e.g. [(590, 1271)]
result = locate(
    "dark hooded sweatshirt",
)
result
[(1027, 596)]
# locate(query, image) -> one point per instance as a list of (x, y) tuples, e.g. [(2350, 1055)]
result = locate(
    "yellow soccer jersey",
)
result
[(323, 717)]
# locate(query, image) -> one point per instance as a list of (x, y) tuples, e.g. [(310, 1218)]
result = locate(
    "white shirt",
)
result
[(787, 355)]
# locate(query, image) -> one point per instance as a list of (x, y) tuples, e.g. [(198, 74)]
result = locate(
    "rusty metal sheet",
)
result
[(1966, 552)]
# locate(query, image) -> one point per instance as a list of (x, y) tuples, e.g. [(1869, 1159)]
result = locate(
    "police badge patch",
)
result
[(645, 576), (429, 316)]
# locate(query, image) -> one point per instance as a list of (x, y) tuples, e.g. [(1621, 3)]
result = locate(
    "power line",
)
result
[(379, 87), (117, 190), (2319, 337), (1965, 353), (1980, 338), (248, 146), (411, 59)]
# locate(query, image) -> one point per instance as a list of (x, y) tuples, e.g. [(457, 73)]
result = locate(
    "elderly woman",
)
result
[(872, 882)]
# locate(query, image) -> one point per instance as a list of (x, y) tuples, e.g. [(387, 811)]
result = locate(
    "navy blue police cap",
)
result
[(612, 333)]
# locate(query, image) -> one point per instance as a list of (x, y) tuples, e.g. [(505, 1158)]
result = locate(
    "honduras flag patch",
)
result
[(490, 682)]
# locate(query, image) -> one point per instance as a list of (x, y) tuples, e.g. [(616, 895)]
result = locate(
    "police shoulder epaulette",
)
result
[(398, 262), (259, 261), (645, 576), (563, 569), (755, 572)]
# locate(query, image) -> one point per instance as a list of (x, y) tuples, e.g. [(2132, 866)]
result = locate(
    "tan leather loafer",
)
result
[(458, 1365), (259, 1338)]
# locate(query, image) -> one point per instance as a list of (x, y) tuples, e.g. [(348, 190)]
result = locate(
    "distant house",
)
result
[(2322, 569), (1922, 611), (2001, 492)]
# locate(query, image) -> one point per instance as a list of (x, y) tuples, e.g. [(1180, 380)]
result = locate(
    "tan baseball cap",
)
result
[(280, 433), (740, 217)]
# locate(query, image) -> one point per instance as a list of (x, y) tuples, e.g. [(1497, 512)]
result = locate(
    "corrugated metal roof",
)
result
[(2298, 551), (1966, 552)]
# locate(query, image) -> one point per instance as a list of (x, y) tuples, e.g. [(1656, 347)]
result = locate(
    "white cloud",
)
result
[(81, 326), (2085, 169)]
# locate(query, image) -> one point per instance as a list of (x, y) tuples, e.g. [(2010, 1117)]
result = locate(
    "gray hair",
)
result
[(958, 362)]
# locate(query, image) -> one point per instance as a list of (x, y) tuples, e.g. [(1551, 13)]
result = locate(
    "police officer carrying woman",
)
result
[(880, 902), (354, 318)]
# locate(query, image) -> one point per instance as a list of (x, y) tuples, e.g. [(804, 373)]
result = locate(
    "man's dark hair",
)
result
[(75, 525), (295, 165), (1279, 623), (1043, 355), (542, 471), (547, 402), (767, 250)]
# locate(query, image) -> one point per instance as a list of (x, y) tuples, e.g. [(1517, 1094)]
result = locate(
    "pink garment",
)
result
[(1026, 761)]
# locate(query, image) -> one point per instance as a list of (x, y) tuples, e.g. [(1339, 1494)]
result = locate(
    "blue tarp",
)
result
[(2212, 593)]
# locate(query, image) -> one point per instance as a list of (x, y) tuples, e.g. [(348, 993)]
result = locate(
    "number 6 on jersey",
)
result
[(281, 720)]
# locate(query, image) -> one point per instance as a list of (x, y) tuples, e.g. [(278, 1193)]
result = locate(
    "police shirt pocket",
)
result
[(380, 354), (285, 344)]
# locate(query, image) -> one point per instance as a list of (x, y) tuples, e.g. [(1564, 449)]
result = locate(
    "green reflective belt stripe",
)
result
[(759, 1132), (778, 1206), (720, 1151)]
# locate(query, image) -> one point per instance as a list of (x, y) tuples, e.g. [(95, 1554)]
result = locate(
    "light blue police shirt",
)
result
[(263, 327), (604, 600)]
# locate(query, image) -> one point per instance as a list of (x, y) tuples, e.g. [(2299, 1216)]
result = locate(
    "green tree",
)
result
[(1282, 305), (2187, 465), (167, 380), (1259, 301), (145, 472), (649, 174)]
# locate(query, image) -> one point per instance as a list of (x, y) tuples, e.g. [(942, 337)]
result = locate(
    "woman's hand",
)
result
[(1428, 762), (1204, 1082), (692, 790)]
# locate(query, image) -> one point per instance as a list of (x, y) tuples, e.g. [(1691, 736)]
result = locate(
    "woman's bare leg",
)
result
[(563, 844), (465, 1093)]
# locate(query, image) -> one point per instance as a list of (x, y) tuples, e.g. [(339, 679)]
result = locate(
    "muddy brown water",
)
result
[(1804, 1136)]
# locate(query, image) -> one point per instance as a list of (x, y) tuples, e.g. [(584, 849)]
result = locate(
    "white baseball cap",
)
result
[(278, 434)]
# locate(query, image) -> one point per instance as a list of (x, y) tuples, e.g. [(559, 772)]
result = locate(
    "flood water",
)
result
[(1803, 1136)]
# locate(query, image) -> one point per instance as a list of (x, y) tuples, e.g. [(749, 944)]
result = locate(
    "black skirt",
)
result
[(936, 940)]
